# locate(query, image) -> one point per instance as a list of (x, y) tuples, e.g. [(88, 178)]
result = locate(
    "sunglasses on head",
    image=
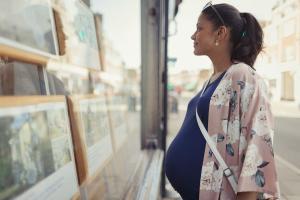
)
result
[(209, 4)]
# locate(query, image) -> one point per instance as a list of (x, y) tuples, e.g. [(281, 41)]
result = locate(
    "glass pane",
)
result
[(120, 80), (123, 99)]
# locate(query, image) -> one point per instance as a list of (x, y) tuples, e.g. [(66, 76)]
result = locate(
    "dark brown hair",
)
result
[(246, 34)]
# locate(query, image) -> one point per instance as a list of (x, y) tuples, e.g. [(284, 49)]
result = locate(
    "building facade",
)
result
[(280, 62)]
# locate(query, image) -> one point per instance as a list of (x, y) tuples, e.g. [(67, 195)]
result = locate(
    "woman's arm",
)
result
[(247, 196)]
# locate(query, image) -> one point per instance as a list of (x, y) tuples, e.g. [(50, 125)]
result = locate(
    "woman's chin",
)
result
[(197, 53)]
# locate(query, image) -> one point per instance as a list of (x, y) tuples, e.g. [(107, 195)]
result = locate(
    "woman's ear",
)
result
[(222, 32)]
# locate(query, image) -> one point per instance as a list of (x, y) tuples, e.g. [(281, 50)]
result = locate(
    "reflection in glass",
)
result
[(62, 83), (56, 86), (95, 120), (118, 116)]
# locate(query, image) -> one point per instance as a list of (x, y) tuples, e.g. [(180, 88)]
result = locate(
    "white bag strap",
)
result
[(226, 170)]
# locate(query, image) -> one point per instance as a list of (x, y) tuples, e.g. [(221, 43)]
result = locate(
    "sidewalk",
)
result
[(285, 109), (289, 179)]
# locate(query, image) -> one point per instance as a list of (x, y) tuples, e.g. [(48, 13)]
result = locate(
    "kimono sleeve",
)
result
[(257, 163)]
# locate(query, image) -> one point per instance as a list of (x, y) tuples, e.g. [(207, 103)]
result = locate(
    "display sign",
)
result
[(29, 26), (91, 133), (36, 157), (97, 132), (79, 28)]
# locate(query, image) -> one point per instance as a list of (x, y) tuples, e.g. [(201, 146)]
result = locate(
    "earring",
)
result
[(217, 43)]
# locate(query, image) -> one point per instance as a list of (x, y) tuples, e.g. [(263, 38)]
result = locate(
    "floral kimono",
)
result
[(241, 124)]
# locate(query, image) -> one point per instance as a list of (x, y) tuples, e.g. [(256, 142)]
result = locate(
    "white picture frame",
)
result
[(36, 133), (29, 26), (80, 30)]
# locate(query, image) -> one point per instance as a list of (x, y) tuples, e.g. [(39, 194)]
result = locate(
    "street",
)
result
[(286, 145), (287, 139)]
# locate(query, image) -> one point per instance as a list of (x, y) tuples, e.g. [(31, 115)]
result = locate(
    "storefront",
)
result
[(64, 125)]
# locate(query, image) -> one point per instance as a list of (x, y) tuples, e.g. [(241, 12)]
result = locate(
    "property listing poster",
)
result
[(36, 158), (28, 25)]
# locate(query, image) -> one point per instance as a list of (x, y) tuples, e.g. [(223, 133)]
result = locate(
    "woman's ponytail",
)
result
[(248, 46)]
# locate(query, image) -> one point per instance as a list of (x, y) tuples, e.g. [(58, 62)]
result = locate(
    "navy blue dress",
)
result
[(184, 157)]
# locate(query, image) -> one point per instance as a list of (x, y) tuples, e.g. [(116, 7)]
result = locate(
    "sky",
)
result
[(121, 21)]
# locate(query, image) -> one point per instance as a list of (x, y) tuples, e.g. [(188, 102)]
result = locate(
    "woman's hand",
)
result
[(246, 196)]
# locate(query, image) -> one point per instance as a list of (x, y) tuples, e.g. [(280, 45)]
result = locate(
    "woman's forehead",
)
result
[(202, 20)]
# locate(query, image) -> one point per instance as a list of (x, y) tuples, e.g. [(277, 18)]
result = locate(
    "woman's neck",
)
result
[(221, 63)]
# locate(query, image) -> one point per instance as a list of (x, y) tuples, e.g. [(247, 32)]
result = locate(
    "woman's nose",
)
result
[(193, 37)]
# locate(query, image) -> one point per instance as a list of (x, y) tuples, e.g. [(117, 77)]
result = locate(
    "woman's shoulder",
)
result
[(241, 69), (243, 72)]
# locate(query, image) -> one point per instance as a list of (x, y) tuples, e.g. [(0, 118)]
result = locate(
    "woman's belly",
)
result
[(184, 160)]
